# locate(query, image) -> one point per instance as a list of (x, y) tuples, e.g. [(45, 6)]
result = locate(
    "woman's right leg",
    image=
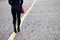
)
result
[(14, 20)]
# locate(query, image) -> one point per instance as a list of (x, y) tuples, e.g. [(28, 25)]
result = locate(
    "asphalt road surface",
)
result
[(42, 22)]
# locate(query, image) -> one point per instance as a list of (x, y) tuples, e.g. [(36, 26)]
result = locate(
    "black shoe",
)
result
[(18, 29), (15, 30)]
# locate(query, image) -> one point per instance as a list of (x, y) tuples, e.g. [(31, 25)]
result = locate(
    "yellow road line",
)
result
[(12, 36)]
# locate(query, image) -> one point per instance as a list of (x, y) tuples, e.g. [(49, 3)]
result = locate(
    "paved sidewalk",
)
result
[(6, 27), (42, 23)]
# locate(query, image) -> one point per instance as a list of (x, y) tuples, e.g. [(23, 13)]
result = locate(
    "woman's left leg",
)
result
[(19, 21)]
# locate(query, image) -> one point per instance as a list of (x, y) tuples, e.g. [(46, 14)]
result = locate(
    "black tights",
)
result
[(16, 16)]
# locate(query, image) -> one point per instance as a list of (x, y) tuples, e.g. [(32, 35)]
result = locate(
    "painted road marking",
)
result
[(12, 36)]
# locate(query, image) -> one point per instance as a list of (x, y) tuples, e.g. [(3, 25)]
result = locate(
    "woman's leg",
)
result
[(19, 21), (14, 20)]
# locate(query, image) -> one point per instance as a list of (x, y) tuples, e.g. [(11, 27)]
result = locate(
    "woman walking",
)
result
[(16, 6)]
